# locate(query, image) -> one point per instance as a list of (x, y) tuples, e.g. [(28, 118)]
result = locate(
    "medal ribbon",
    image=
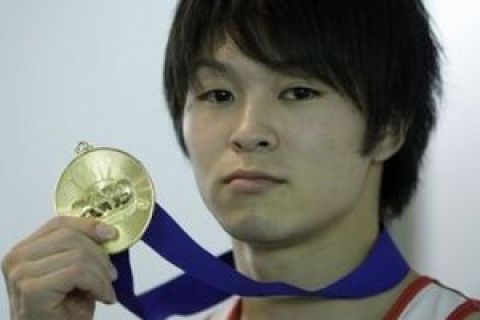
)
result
[(209, 280)]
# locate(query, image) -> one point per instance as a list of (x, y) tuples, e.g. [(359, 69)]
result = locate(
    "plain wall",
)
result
[(91, 70)]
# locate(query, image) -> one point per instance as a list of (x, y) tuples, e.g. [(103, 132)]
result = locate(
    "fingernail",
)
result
[(105, 231)]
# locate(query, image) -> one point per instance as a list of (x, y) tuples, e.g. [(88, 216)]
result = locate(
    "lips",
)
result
[(252, 181), (252, 175)]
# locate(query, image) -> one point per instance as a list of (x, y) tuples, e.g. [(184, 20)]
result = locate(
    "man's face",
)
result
[(276, 157)]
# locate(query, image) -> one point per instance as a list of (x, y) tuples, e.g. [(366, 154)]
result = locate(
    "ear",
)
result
[(391, 142)]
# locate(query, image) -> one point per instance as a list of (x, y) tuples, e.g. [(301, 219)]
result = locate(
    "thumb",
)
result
[(104, 231)]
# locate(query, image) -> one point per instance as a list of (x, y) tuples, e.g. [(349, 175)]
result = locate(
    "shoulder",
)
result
[(426, 298)]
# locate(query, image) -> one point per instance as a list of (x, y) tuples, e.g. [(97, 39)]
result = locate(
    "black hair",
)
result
[(382, 54)]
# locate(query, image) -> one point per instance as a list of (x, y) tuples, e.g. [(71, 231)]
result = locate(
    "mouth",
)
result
[(252, 175), (252, 181)]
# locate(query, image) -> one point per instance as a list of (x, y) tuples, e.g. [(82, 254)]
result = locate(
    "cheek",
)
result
[(331, 185), (195, 134), (203, 145), (329, 159), (330, 139)]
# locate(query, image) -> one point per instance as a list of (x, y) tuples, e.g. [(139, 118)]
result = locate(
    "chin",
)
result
[(258, 238), (259, 231), (274, 228)]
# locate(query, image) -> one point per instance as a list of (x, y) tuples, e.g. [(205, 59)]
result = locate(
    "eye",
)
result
[(217, 96), (299, 94)]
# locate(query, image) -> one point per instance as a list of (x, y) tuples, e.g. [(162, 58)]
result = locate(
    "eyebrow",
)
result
[(226, 69), (212, 64)]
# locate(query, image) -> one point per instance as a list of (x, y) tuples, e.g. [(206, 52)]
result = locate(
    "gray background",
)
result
[(91, 70)]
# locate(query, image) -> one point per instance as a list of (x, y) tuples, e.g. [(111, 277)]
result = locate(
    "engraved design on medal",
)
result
[(105, 198)]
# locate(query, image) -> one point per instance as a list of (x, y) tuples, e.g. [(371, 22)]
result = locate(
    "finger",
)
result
[(60, 261), (64, 240), (50, 264), (92, 228), (37, 250), (49, 291)]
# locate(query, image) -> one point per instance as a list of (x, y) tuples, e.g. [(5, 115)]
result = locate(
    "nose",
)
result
[(255, 131)]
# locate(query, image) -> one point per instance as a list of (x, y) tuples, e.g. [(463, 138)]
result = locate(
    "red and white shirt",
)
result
[(424, 299)]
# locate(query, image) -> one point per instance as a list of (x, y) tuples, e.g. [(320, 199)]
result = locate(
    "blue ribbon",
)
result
[(209, 280)]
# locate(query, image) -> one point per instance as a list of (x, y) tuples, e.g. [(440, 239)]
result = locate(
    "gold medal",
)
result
[(109, 185)]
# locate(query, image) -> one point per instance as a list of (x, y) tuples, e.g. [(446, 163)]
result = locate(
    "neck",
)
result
[(315, 262), (318, 269)]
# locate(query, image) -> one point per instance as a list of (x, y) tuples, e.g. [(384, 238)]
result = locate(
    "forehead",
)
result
[(217, 57), (220, 52), (228, 59)]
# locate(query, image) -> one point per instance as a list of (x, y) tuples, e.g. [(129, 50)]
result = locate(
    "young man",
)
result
[(305, 123)]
